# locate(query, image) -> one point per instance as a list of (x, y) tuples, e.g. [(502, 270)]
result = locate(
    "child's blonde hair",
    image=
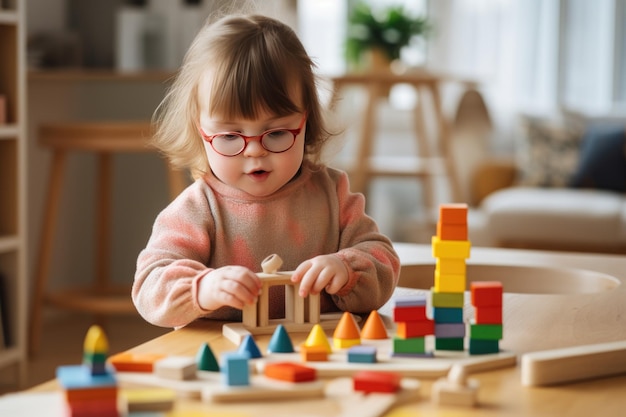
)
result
[(255, 61)]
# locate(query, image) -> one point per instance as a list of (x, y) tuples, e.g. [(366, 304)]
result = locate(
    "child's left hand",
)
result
[(322, 272)]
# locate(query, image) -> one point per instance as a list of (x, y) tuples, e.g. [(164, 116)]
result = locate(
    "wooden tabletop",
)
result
[(551, 300)]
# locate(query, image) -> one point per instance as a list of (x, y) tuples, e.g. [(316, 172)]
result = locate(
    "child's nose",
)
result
[(254, 149)]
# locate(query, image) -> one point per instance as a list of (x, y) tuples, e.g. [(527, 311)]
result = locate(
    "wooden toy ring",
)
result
[(271, 264)]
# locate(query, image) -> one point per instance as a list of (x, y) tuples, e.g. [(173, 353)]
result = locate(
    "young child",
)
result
[(244, 116)]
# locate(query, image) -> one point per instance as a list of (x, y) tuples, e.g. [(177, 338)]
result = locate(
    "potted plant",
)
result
[(381, 34)]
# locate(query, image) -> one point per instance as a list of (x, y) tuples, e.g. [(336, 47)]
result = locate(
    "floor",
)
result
[(62, 344)]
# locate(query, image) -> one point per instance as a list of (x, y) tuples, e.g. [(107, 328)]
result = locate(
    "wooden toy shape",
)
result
[(558, 366), (415, 313), (176, 367), (362, 354), (314, 353), (250, 348), (482, 346), (448, 314), (300, 313), (280, 341), (451, 266), (486, 293), (235, 369), (147, 399), (447, 299), (374, 327), (134, 362), (486, 331), (409, 345), (488, 315), (346, 333), (454, 249), (205, 359), (290, 372), (95, 350), (409, 329), (409, 300), (449, 330), (317, 337), (453, 213), (376, 381), (451, 231), (455, 389), (450, 283), (262, 388)]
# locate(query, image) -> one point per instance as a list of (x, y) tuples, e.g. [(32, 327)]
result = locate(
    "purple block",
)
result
[(449, 330), (410, 300)]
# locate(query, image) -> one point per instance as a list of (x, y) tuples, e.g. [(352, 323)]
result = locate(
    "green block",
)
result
[(481, 347), (486, 331), (411, 345), (94, 357), (447, 299), (452, 343)]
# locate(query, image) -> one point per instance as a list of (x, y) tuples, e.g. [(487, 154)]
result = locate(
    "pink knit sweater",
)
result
[(211, 224)]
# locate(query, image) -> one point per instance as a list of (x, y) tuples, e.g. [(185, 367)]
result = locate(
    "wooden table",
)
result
[(551, 300)]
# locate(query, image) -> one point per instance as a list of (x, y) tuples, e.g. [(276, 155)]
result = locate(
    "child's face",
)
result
[(255, 170)]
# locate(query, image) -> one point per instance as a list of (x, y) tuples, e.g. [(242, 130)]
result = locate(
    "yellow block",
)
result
[(345, 343), (455, 249), (95, 341), (449, 283), (317, 337), (452, 266)]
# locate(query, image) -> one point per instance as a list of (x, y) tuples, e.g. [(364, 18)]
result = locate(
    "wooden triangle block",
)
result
[(317, 337), (374, 328), (280, 341), (249, 346), (205, 359)]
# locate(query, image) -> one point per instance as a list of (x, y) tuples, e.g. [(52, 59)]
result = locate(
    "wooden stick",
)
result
[(574, 363)]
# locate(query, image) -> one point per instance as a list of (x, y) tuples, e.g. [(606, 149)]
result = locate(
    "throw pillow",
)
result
[(548, 153), (603, 159)]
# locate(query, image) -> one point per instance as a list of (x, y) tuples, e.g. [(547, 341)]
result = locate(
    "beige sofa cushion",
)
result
[(556, 216)]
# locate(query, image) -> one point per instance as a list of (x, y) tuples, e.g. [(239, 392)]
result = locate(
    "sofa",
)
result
[(565, 189)]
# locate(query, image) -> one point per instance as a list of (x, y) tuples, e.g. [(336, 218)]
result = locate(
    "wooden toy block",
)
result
[(347, 332), (134, 362), (486, 331), (451, 231), (450, 283), (486, 293), (235, 369), (95, 341), (409, 329), (374, 327), (449, 343), (147, 399), (409, 300), (558, 366), (447, 299), (456, 389), (314, 353), (262, 388), (488, 315), (362, 354), (79, 377), (205, 359), (455, 249), (93, 408), (176, 367), (417, 313), (373, 381), (317, 337), (451, 266), (483, 347), (448, 315), (453, 213), (86, 394), (411, 345), (290, 372), (280, 341), (250, 348), (449, 330)]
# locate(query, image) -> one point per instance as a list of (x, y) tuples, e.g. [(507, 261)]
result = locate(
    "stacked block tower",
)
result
[(412, 326), (451, 248), (486, 328)]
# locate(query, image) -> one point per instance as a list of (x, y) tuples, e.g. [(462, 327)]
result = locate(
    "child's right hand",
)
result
[(233, 286)]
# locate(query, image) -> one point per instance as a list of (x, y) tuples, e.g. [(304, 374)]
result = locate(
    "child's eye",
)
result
[(277, 134)]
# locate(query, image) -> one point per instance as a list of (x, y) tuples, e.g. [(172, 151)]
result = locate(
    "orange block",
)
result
[(409, 329), (376, 381), (313, 353), (374, 327), (95, 393), (453, 213), (289, 371), (346, 328), (134, 362), (451, 231)]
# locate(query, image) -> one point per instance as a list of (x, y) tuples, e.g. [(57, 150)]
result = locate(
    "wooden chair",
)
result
[(103, 139)]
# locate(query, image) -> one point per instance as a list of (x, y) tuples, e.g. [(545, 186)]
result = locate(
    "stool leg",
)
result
[(362, 171), (103, 228), (45, 247)]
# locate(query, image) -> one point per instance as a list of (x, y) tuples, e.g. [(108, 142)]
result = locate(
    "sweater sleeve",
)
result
[(170, 267), (373, 263)]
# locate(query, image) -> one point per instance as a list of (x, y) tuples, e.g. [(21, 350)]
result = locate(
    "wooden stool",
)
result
[(104, 139)]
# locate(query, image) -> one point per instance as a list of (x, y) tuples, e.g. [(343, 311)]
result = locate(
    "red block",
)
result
[(453, 213), (408, 329), (414, 313), (288, 371), (488, 315), (451, 231), (486, 293), (376, 381)]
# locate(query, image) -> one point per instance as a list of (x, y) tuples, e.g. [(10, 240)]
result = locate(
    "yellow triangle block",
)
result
[(345, 343), (374, 327), (346, 328), (96, 341), (317, 337)]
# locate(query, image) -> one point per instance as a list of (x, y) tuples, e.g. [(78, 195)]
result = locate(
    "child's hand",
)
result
[(322, 272), (233, 286)]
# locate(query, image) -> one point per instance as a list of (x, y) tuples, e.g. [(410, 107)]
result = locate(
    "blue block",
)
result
[(449, 330), (362, 354), (448, 315), (250, 347), (80, 377), (409, 300), (235, 369)]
